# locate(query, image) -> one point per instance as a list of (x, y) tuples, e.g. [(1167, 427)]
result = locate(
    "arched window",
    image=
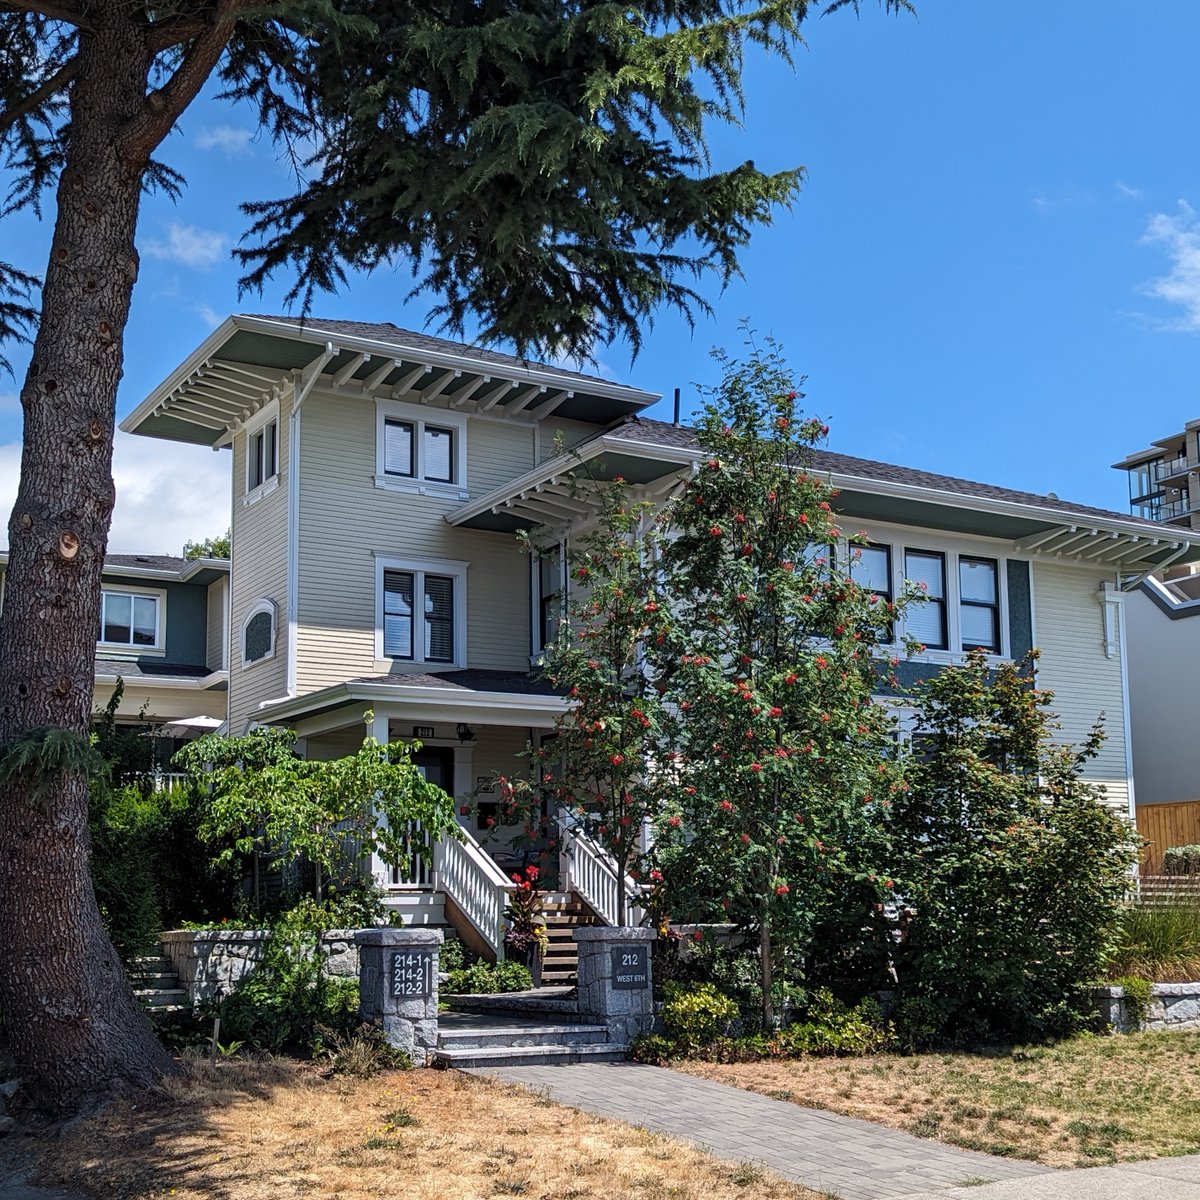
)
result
[(258, 633)]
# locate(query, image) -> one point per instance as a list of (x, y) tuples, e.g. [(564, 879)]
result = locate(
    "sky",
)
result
[(993, 269)]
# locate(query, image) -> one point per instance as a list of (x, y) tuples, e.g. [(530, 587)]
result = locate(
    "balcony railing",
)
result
[(1168, 468)]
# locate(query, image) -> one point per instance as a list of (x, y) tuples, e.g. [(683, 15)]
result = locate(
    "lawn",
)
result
[(256, 1130), (1088, 1101)]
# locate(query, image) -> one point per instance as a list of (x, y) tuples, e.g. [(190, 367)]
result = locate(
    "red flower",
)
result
[(745, 839), (821, 661), (740, 518), (465, 810), (782, 889), (713, 465), (674, 822), (804, 518), (789, 679), (655, 875), (617, 759), (715, 531), (698, 935), (777, 711), (725, 806), (783, 422), (756, 767)]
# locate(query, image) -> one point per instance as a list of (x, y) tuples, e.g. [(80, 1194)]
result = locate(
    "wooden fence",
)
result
[(1164, 826)]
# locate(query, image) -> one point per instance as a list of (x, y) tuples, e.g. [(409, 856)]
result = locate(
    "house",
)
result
[(1164, 641), (379, 478), (162, 634)]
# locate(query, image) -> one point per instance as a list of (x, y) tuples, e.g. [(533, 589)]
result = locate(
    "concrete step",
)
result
[(162, 997), (545, 1055), (520, 1033), (156, 981), (151, 964)]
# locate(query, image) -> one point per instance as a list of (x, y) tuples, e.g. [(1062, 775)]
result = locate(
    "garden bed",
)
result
[(1086, 1101)]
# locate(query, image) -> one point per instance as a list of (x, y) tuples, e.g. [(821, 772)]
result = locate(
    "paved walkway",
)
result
[(851, 1159)]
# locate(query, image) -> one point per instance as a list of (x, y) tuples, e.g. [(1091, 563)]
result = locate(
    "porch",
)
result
[(471, 726)]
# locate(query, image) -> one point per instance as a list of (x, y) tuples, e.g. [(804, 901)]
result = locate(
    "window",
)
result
[(420, 449), (263, 462), (422, 612), (871, 568), (258, 633), (549, 595), (129, 619), (979, 604), (927, 622)]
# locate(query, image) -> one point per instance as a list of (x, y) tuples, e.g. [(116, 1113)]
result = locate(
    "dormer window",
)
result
[(131, 619)]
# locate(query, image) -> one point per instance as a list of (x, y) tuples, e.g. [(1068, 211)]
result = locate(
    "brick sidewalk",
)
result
[(851, 1159)]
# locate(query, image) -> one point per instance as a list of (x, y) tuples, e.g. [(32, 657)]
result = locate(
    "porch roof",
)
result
[(249, 360), (498, 697), (656, 453)]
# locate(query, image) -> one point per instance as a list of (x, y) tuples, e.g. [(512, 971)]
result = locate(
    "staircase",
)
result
[(505, 1037), (563, 913), (156, 985)]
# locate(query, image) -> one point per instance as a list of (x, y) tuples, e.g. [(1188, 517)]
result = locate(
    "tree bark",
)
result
[(77, 1032)]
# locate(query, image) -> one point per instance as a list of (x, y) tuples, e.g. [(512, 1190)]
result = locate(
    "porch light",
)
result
[(465, 732)]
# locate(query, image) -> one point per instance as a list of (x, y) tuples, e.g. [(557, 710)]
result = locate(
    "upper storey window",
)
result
[(262, 453), (131, 619), (420, 450)]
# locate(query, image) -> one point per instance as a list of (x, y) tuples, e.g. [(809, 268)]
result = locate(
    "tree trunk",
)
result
[(764, 954), (77, 1032)]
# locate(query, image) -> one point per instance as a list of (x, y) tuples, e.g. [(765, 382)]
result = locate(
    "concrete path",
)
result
[(851, 1159), (1158, 1179)]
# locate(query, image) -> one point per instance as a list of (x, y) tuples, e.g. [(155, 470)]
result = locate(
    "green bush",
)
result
[(1137, 998), (484, 978), (1181, 860), (1012, 871), (1160, 940), (696, 1016)]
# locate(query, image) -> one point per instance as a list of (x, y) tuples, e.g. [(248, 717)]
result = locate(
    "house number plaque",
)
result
[(412, 974), (630, 968)]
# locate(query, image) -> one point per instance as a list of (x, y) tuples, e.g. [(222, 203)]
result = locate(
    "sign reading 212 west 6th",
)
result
[(412, 974), (630, 968)]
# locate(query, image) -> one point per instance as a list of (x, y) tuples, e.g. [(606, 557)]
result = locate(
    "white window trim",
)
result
[(419, 567), (267, 606), (264, 416), (128, 649), (419, 416), (903, 541)]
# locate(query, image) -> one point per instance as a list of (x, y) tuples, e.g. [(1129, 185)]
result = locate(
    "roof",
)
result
[(251, 359), (508, 683), (654, 453), (155, 671), (158, 566)]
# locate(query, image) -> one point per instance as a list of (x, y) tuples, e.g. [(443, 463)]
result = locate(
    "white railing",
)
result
[(479, 889), (416, 872), (587, 868)]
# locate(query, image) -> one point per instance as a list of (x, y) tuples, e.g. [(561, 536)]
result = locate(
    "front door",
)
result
[(436, 764)]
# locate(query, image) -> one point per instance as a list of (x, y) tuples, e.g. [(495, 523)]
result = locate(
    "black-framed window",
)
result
[(436, 615), (264, 455), (871, 568), (435, 460), (927, 621), (979, 603), (128, 619)]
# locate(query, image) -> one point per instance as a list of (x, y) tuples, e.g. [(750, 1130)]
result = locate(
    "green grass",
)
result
[(1160, 941)]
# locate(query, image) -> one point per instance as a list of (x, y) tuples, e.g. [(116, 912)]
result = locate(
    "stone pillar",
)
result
[(615, 981), (398, 986)]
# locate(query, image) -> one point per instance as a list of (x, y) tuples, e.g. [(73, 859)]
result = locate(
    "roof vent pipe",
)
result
[(676, 420)]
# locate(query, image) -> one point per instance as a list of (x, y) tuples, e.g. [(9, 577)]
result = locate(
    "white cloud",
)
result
[(226, 138), (208, 315), (189, 245), (167, 493), (1179, 232), (1127, 192)]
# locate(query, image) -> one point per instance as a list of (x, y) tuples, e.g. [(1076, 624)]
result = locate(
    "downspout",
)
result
[(302, 383)]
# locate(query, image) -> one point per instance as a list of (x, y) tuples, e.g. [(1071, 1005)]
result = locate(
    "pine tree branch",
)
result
[(52, 10), (164, 106), (10, 116)]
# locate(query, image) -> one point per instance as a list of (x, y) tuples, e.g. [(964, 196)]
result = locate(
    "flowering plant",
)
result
[(526, 931)]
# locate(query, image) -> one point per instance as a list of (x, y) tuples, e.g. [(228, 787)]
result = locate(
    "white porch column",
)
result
[(378, 728)]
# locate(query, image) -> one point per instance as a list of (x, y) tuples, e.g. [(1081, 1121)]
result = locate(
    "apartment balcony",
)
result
[(1176, 512), (1171, 472)]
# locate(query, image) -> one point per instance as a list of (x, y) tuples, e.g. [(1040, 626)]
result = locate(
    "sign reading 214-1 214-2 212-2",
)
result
[(412, 974)]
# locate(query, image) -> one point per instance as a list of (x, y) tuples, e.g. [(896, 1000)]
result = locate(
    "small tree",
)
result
[(328, 814), (1014, 868), (213, 547), (785, 764), (605, 767)]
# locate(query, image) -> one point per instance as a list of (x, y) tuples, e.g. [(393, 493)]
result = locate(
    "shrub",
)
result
[(1013, 869), (1181, 860), (484, 978), (1160, 940), (833, 1028), (696, 1016), (1137, 999), (364, 1053)]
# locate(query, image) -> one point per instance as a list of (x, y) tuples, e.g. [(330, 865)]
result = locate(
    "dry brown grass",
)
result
[(276, 1130), (1082, 1102)]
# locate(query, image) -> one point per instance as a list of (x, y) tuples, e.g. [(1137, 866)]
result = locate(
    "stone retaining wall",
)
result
[(217, 960), (1172, 1006)]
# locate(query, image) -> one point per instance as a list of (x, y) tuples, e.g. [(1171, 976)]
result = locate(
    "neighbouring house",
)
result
[(380, 476), (163, 623), (1164, 641)]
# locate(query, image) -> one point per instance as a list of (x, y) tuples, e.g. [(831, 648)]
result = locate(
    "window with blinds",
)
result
[(433, 639), (416, 450), (927, 621)]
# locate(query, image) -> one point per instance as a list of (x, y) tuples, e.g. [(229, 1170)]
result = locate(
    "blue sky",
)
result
[(993, 270)]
